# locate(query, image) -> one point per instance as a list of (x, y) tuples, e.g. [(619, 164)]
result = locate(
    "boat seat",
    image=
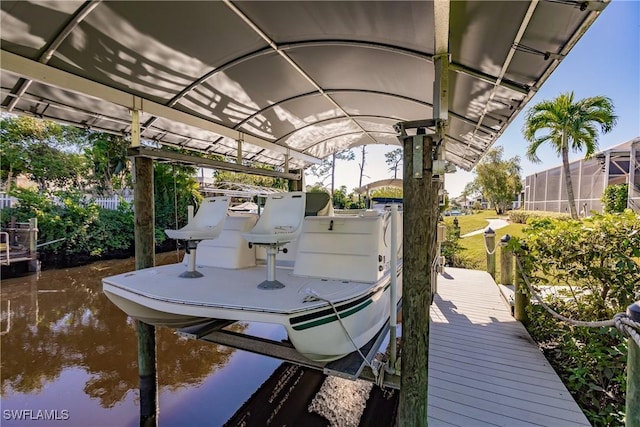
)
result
[(207, 224), (280, 223)]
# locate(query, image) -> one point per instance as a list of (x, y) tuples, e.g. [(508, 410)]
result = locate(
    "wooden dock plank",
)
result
[(484, 369)]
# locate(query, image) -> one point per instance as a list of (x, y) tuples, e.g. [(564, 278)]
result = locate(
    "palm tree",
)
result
[(569, 124)]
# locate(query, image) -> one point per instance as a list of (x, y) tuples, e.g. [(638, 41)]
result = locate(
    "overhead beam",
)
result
[(45, 56), (441, 11), (519, 88), (507, 62), (52, 76), (207, 163)]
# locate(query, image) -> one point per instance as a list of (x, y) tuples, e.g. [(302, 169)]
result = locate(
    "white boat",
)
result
[(330, 290)]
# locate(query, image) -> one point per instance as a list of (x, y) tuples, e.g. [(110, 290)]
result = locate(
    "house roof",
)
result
[(294, 81)]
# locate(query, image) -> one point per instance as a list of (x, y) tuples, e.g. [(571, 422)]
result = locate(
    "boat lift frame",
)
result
[(351, 366)]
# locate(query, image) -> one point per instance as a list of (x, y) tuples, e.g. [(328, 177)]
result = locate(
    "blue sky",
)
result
[(606, 61)]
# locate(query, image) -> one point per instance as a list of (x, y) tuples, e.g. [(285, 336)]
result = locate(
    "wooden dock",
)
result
[(484, 369)]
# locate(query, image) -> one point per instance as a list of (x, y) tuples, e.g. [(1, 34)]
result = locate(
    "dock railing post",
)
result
[(34, 263), (633, 373), (506, 261), (490, 246), (521, 297)]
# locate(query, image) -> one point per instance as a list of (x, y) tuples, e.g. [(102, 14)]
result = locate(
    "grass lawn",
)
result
[(474, 249), (477, 221), (476, 253)]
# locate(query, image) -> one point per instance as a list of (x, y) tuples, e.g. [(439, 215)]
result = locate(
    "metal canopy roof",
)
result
[(290, 79)]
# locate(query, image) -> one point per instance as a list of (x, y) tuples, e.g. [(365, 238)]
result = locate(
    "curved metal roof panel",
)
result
[(292, 81)]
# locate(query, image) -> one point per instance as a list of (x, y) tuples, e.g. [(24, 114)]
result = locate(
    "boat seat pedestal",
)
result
[(191, 272), (271, 282)]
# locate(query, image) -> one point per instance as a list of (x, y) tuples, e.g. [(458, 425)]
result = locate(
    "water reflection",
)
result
[(59, 332)]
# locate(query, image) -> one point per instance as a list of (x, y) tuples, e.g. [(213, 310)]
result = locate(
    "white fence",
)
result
[(7, 201), (110, 203)]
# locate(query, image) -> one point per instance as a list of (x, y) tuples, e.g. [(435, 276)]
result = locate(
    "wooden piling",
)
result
[(506, 262), (145, 257), (490, 244), (34, 263), (420, 219), (296, 184), (633, 373), (521, 297)]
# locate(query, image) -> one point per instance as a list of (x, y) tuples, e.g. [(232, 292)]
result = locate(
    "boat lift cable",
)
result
[(621, 321), (313, 295)]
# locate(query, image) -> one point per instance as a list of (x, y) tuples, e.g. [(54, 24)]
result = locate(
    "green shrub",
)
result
[(522, 217), (596, 260), (86, 228), (112, 231), (614, 198), (60, 214), (450, 248)]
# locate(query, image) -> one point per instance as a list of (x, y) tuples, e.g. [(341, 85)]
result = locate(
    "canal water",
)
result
[(69, 356)]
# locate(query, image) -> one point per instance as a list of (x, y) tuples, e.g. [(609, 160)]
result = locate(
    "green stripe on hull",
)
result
[(332, 318)]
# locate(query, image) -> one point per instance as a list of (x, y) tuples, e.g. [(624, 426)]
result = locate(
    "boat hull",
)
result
[(151, 316), (316, 332), (325, 336)]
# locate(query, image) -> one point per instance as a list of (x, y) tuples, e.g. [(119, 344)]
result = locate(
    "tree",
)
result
[(46, 151), (174, 189), (244, 178), (328, 167), (394, 159), (341, 199), (107, 155), (498, 180), (389, 192), (615, 198), (361, 165), (569, 124), (469, 190)]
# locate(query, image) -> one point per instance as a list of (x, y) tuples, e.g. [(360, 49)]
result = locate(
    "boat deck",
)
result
[(229, 289), (484, 369)]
